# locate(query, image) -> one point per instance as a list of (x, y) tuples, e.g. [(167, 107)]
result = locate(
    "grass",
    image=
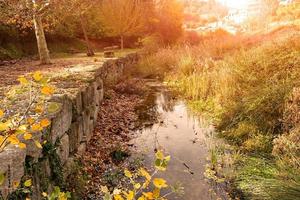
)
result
[(245, 87)]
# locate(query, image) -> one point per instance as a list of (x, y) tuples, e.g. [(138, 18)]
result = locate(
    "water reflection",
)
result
[(182, 135)]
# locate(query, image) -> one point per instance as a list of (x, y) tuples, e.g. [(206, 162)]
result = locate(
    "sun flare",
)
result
[(236, 4)]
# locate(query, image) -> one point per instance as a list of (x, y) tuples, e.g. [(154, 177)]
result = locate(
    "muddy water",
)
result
[(183, 136)]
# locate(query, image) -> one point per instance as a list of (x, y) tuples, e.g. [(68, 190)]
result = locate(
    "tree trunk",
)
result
[(122, 42), (41, 40), (90, 51)]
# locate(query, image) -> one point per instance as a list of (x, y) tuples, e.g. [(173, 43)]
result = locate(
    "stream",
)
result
[(185, 137)]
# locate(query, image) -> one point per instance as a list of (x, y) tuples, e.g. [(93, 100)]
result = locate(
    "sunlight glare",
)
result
[(236, 4)]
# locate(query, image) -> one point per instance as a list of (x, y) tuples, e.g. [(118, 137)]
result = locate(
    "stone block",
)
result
[(77, 103), (86, 117), (12, 166), (63, 149), (75, 134), (31, 149), (62, 121), (81, 148)]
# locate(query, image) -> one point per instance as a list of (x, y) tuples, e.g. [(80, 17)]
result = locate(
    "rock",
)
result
[(31, 149), (81, 148), (75, 135), (12, 166), (77, 103), (62, 121), (86, 117), (63, 149)]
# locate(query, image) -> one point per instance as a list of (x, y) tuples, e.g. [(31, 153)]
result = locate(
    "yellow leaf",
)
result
[(127, 173), (160, 183), (104, 189), (116, 191), (30, 120), (159, 155), (148, 195), (37, 76), (36, 127), (4, 126), (2, 178), (168, 158), (137, 186), (145, 185), (22, 145), (118, 197), (141, 198), (22, 129), (27, 136), (47, 90), (16, 184), (28, 183), (39, 109), (44, 194), (23, 80), (129, 195), (156, 193), (45, 123), (13, 139), (1, 113), (38, 144), (144, 173)]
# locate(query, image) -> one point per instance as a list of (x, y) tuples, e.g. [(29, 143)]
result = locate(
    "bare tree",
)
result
[(122, 18)]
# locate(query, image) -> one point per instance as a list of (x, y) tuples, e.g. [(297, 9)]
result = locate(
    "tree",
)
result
[(78, 9), (122, 18), (34, 10), (170, 20)]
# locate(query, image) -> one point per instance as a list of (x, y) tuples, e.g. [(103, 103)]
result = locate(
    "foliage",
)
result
[(20, 124), (137, 190), (57, 194), (123, 18), (169, 20)]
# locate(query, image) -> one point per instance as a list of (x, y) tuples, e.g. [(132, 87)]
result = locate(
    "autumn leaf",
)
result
[(159, 155), (45, 123), (160, 183), (4, 126), (22, 145), (118, 197), (37, 76), (144, 173), (28, 183), (39, 109), (104, 189), (44, 194), (137, 186), (30, 120), (13, 139), (127, 173), (27, 136), (36, 127), (148, 195), (38, 144), (53, 107), (129, 195), (2, 179), (23, 80), (16, 184), (156, 193), (1, 113), (47, 90)]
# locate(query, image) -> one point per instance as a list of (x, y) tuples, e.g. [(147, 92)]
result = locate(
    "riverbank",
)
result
[(249, 91)]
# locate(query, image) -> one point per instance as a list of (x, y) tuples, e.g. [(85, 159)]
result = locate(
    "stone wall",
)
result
[(81, 90)]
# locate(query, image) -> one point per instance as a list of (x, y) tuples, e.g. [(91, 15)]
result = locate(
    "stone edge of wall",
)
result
[(71, 127)]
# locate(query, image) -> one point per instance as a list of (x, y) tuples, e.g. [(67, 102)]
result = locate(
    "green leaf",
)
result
[(2, 178), (28, 183), (53, 107)]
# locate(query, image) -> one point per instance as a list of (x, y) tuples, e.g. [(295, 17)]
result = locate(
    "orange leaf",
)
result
[(45, 123), (47, 90)]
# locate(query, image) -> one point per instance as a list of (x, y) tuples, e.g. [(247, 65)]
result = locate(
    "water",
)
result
[(183, 136)]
